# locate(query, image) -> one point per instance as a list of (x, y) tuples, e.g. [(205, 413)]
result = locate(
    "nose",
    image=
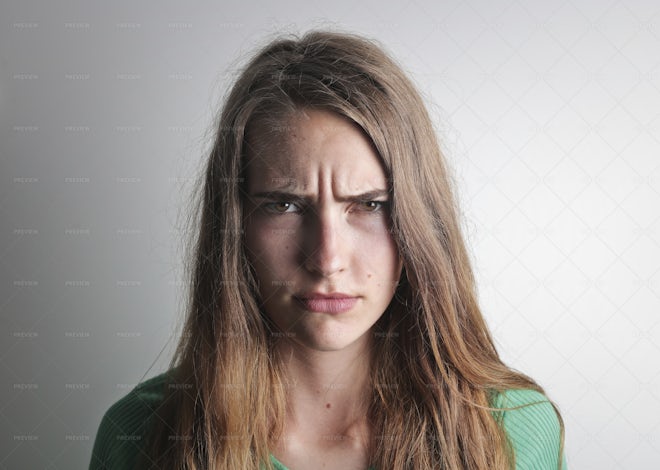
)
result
[(325, 244)]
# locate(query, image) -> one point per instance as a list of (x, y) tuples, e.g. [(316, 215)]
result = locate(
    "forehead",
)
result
[(312, 146)]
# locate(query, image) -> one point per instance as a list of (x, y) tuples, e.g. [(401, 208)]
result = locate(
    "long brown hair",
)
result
[(436, 368)]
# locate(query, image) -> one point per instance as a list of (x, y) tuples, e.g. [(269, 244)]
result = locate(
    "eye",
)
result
[(281, 207), (372, 206)]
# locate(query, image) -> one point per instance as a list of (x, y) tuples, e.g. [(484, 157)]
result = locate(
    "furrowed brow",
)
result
[(366, 196), (288, 196), (278, 195)]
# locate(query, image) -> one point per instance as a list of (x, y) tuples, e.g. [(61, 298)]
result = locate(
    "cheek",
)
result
[(260, 236), (255, 248), (268, 248), (378, 253)]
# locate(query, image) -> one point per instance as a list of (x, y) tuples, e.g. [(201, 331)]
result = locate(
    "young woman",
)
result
[(333, 320)]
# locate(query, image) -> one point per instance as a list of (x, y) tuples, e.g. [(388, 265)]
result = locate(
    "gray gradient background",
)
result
[(549, 112)]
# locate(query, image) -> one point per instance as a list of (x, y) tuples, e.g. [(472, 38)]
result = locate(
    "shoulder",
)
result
[(122, 432), (533, 426)]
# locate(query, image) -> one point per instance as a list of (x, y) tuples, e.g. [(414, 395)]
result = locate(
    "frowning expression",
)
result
[(317, 230)]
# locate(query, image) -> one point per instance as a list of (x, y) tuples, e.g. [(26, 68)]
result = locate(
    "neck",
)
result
[(332, 387)]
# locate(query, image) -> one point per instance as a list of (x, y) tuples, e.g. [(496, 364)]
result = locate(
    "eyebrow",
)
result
[(287, 196)]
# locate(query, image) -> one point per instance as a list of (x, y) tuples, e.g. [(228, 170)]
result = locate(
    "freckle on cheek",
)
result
[(368, 276)]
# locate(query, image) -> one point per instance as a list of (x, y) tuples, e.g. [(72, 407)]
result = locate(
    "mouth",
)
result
[(327, 303)]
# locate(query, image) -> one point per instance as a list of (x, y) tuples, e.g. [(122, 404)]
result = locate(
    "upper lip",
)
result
[(320, 295)]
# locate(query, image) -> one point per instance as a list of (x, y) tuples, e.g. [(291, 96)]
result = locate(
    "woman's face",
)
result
[(317, 231)]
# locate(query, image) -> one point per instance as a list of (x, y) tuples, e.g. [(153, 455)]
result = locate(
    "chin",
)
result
[(331, 341)]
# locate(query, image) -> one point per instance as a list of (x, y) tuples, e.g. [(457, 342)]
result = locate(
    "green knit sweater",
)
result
[(532, 429)]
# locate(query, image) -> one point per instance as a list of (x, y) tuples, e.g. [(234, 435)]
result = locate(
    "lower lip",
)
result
[(339, 305)]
